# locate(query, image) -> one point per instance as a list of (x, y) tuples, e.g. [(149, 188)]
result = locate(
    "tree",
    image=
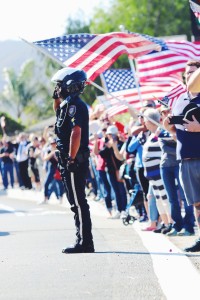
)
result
[(11, 126), (144, 16), (77, 25), (20, 88)]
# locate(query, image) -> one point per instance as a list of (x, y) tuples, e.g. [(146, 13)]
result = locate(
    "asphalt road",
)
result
[(124, 266)]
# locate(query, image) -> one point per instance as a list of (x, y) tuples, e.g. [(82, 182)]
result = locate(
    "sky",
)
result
[(34, 20)]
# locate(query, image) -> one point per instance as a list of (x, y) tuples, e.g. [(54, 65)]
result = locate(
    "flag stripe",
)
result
[(171, 59), (95, 53)]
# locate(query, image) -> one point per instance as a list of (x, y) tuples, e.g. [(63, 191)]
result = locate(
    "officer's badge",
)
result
[(72, 110)]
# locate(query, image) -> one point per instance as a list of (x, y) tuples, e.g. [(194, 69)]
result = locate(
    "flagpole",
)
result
[(136, 80), (122, 28), (89, 81)]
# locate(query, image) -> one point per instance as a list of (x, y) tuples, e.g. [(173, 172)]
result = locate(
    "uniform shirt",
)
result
[(188, 143), (71, 112)]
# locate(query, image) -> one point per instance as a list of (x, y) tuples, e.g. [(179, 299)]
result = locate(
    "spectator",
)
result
[(151, 161), (22, 159), (51, 169), (33, 163), (113, 164), (188, 144), (7, 156), (99, 144), (169, 168), (139, 135)]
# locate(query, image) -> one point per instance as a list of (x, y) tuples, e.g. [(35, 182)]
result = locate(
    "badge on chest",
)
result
[(72, 110)]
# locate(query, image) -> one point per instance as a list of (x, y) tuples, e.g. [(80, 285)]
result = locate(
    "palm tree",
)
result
[(20, 88)]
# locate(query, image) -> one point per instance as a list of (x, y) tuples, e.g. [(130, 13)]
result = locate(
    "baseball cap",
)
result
[(112, 129)]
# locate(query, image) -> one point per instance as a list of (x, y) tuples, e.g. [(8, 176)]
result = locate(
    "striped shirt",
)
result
[(151, 158)]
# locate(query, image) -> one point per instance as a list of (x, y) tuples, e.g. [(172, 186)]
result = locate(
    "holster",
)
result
[(82, 156)]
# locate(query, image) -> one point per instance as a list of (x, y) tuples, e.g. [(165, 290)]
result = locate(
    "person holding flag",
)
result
[(188, 143)]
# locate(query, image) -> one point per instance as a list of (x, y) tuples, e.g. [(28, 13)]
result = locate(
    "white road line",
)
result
[(47, 212), (39, 212), (11, 209), (177, 276)]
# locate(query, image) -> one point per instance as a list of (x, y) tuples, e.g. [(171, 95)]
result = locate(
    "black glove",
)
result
[(72, 165), (55, 95)]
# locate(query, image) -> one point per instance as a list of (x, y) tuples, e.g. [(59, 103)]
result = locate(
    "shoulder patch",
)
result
[(72, 110)]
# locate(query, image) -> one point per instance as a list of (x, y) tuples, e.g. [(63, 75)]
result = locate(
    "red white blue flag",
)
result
[(120, 83), (171, 59), (95, 53), (172, 96)]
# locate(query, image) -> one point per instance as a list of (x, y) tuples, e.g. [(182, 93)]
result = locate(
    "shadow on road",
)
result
[(4, 233), (4, 211)]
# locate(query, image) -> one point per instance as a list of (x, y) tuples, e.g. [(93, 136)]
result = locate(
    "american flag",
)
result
[(94, 53), (121, 84), (171, 97), (196, 10), (171, 59)]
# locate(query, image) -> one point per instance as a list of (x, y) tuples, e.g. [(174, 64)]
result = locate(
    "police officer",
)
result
[(73, 153)]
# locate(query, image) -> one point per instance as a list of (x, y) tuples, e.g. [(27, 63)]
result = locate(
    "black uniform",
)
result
[(71, 112)]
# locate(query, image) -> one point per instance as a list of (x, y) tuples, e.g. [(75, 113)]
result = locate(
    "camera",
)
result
[(114, 137), (190, 110), (176, 120)]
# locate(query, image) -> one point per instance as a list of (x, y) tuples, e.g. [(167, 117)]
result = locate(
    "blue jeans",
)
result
[(49, 179), (169, 175), (120, 192), (57, 187), (106, 187), (153, 211), (7, 168)]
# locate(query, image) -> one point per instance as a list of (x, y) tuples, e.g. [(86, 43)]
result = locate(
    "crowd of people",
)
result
[(165, 155), (29, 161), (144, 154), (148, 155)]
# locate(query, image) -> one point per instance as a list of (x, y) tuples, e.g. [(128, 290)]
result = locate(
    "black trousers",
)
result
[(23, 170), (74, 184)]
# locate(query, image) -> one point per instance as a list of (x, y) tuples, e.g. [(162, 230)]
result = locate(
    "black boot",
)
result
[(77, 248)]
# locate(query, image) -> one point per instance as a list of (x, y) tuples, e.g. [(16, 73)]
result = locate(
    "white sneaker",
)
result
[(123, 214), (117, 215)]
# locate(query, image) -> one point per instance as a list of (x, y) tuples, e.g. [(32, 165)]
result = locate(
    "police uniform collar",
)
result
[(65, 102)]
